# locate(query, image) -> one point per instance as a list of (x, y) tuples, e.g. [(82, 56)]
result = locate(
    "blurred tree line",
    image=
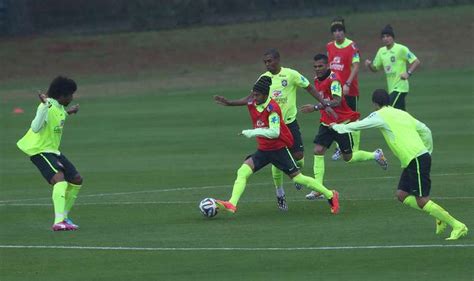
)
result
[(18, 17)]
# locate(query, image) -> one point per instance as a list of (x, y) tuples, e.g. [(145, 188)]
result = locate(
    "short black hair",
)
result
[(380, 97), (61, 86), (321, 57), (272, 52)]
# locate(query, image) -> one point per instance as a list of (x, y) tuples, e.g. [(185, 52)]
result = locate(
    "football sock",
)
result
[(355, 140), (361, 155), (313, 184), (243, 174), (300, 163), (438, 212), (280, 192), (411, 201), (59, 200), (277, 175), (71, 195), (318, 168)]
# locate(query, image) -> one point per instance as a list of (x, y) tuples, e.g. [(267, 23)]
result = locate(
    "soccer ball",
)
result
[(208, 207)]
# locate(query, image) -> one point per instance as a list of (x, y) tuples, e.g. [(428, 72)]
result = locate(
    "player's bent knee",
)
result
[(319, 150), (77, 180), (58, 177), (298, 155), (347, 157), (244, 171)]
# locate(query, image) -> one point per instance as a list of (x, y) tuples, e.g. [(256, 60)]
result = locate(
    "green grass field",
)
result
[(148, 156)]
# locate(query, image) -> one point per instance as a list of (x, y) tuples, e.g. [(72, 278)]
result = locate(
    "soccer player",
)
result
[(393, 58), (344, 60), (285, 82), (273, 139), (411, 141), (329, 84), (41, 143)]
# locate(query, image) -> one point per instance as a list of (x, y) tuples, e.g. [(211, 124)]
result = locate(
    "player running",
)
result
[(411, 141), (285, 82), (393, 59), (273, 139), (344, 59), (41, 143), (328, 83)]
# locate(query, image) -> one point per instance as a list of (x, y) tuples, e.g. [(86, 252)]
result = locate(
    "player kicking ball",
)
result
[(273, 138), (41, 143), (410, 141)]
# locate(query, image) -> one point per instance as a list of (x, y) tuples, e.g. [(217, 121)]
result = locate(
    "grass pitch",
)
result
[(150, 154)]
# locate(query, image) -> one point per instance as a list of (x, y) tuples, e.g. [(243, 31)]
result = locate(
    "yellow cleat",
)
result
[(440, 226), (458, 232)]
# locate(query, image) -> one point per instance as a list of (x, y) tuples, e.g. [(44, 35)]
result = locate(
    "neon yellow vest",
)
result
[(405, 142), (48, 138)]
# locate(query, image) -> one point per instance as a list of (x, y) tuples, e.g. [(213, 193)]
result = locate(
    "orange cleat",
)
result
[(226, 205), (334, 202)]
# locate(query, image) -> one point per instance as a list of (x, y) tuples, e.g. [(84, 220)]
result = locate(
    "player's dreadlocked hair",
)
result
[(263, 85), (61, 86), (380, 97)]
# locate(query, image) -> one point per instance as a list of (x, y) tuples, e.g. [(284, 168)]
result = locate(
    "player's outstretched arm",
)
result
[(41, 113), (370, 66), (225, 102), (73, 109), (312, 91)]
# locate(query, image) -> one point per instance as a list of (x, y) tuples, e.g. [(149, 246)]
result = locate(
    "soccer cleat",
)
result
[(226, 205), (69, 221), (281, 203), (63, 226), (313, 195), (298, 186), (440, 226), (458, 232), (337, 154), (380, 159), (334, 202)]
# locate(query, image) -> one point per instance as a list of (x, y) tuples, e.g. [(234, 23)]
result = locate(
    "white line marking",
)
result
[(218, 186), (326, 248), (195, 202)]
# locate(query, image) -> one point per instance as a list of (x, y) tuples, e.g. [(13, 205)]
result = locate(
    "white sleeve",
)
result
[(371, 121), (40, 118)]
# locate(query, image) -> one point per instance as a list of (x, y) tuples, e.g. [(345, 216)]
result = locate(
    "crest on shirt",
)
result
[(336, 60), (260, 123), (392, 58), (275, 119), (284, 82)]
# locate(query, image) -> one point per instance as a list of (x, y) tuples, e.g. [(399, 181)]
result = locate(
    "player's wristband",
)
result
[(316, 107), (409, 73)]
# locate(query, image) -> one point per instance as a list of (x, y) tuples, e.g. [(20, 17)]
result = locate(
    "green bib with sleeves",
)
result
[(405, 142), (48, 138)]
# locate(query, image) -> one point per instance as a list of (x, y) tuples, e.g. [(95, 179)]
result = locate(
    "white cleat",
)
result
[(380, 159), (313, 195), (337, 154)]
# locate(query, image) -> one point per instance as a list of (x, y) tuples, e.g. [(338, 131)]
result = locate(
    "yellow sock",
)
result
[(59, 200), (243, 174)]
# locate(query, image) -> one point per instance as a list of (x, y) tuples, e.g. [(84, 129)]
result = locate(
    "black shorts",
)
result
[(352, 102), (50, 164), (326, 136), (298, 141), (397, 100), (280, 158), (415, 178)]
